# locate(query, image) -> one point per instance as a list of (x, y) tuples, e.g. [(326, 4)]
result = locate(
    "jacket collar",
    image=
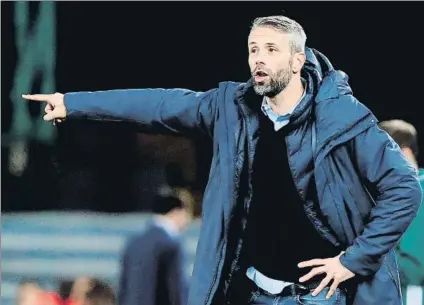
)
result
[(252, 103), (329, 102)]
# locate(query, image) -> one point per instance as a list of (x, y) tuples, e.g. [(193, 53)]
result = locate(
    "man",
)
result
[(289, 151), (153, 271), (410, 249), (99, 294)]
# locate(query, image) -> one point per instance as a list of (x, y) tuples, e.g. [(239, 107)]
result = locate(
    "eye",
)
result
[(253, 50), (272, 50)]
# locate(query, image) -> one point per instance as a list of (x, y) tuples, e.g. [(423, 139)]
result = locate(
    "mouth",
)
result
[(260, 76)]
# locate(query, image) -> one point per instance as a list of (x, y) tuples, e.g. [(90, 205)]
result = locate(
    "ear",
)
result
[(298, 61), (409, 154)]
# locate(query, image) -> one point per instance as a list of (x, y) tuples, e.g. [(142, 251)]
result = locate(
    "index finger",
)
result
[(312, 262), (37, 97)]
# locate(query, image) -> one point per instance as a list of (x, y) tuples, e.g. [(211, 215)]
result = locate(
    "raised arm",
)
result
[(166, 111)]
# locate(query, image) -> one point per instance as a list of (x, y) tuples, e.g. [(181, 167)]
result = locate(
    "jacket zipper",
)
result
[(291, 169)]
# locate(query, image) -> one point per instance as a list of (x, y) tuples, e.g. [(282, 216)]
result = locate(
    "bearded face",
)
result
[(267, 82), (272, 60)]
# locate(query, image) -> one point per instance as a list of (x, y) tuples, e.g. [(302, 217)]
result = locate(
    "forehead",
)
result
[(268, 35)]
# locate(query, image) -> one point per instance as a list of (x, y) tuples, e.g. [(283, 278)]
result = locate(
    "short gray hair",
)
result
[(287, 26)]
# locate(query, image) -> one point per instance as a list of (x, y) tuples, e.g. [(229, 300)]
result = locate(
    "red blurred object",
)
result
[(51, 298)]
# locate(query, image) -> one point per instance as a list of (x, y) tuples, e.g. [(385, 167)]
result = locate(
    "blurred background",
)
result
[(72, 196)]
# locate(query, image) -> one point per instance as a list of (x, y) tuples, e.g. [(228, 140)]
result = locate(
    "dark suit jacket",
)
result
[(153, 270)]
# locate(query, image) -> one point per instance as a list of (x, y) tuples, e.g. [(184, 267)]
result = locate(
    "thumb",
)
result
[(50, 116)]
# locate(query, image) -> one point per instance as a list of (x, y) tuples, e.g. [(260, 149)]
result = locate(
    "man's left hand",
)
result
[(332, 267)]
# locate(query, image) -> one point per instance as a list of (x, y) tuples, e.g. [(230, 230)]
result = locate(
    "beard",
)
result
[(275, 83)]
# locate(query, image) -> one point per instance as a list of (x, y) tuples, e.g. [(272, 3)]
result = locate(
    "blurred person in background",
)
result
[(306, 195), (100, 293), (410, 250), (153, 266), (65, 287), (31, 293), (79, 289), (177, 186)]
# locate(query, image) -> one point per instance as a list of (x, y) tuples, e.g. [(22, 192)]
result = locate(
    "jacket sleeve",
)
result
[(166, 111), (397, 196)]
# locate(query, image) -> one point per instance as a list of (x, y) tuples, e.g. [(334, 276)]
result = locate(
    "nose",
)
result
[(259, 58), (259, 63)]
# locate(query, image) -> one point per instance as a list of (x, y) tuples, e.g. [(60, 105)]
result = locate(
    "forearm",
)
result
[(389, 219)]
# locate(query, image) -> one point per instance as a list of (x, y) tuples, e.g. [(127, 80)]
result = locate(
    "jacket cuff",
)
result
[(359, 264), (72, 101)]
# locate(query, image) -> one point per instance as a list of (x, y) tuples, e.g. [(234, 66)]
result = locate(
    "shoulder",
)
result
[(231, 84), (335, 99), (338, 113), (150, 235), (232, 89)]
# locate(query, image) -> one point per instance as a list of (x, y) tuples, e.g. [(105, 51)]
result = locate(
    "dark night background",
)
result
[(195, 45)]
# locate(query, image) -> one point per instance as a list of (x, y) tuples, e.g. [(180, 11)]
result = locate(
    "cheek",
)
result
[(251, 64), (282, 68)]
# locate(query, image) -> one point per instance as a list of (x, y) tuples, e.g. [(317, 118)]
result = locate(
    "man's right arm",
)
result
[(170, 111)]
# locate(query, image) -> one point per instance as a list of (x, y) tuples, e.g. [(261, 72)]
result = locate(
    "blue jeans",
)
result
[(264, 298)]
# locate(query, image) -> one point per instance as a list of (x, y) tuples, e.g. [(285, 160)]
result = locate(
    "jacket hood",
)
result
[(331, 83), (339, 116), (337, 113)]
